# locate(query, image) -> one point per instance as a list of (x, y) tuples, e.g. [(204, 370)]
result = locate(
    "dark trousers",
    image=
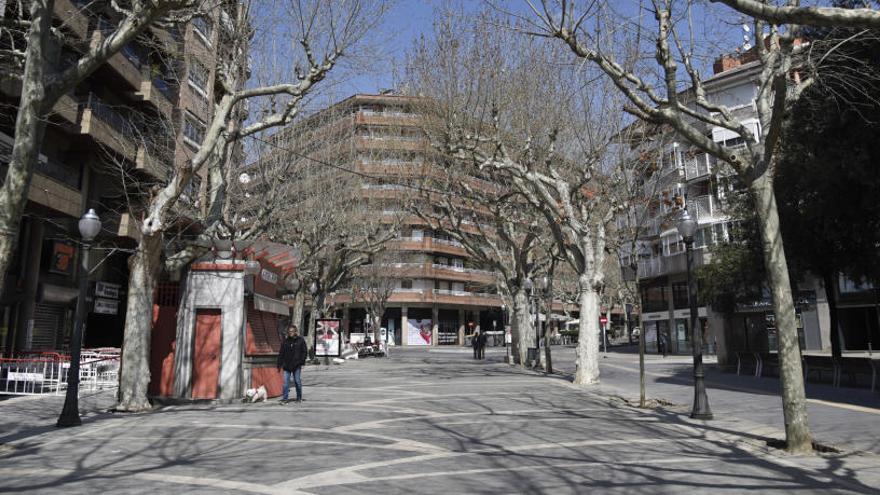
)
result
[(481, 352), (476, 352)]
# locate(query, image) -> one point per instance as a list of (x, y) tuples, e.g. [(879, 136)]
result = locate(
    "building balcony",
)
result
[(67, 108), (431, 245), (699, 166), (149, 163), (160, 93), (128, 227), (669, 265), (391, 143), (107, 126), (55, 195), (127, 63), (387, 118), (71, 14), (441, 272), (705, 208)]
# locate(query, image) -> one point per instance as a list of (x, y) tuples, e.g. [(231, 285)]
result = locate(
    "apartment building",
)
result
[(107, 143), (439, 294), (688, 177)]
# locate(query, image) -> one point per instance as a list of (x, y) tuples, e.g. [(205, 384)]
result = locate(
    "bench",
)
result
[(855, 366), (819, 364), (767, 361), (748, 359)]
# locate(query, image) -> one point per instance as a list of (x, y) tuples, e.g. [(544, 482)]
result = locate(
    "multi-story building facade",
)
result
[(692, 178), (439, 295), (117, 134)]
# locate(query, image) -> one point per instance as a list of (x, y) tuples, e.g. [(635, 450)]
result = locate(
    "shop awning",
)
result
[(269, 305)]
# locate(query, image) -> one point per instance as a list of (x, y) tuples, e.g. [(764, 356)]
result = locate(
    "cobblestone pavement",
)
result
[(422, 421)]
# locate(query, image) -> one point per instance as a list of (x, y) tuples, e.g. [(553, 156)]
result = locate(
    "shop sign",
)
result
[(62, 258), (106, 306), (268, 276), (108, 290)]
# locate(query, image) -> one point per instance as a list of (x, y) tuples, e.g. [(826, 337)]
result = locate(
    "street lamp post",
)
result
[(687, 227), (89, 227)]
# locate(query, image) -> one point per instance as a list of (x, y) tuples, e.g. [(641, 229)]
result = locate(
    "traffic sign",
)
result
[(603, 319)]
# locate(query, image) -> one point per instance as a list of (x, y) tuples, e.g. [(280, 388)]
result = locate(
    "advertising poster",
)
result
[(327, 337), (419, 332)]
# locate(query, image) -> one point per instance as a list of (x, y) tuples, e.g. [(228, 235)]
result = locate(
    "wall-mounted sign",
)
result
[(106, 306), (268, 276), (108, 290), (62, 258)]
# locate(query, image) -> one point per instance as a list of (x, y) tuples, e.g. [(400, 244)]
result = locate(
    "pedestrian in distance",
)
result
[(481, 345), (663, 344), (291, 359), (475, 343)]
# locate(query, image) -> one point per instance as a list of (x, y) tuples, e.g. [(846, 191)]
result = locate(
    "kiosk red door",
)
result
[(206, 354)]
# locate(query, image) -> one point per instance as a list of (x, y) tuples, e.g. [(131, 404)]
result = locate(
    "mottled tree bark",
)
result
[(791, 378), (30, 127), (588, 335), (134, 373)]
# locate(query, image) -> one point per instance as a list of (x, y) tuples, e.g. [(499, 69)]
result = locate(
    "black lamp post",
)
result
[(89, 227), (687, 226)]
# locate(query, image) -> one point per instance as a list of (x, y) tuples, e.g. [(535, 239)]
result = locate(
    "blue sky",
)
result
[(409, 19)]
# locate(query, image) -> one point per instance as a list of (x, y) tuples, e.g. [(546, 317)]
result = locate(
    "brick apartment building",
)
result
[(137, 115), (436, 284)]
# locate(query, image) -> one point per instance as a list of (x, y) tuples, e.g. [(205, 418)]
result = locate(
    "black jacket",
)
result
[(293, 353)]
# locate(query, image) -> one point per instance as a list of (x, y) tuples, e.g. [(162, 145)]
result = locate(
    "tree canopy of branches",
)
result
[(295, 46)]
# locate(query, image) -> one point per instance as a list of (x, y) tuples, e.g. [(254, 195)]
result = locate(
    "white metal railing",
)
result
[(705, 208), (697, 166), (409, 291), (462, 269), (383, 187), (448, 242), (46, 373)]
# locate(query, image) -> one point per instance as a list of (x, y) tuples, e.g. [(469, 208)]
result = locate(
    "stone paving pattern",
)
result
[(437, 422)]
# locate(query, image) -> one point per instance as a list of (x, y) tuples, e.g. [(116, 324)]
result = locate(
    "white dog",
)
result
[(255, 394)]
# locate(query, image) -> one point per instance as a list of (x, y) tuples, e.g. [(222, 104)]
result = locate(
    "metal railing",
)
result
[(105, 112), (46, 373)]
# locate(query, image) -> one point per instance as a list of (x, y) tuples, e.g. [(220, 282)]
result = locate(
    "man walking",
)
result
[(481, 346), (291, 359), (475, 343)]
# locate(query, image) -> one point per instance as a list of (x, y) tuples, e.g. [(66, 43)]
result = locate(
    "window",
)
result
[(680, 295), (203, 27), (198, 77), (193, 130), (406, 284)]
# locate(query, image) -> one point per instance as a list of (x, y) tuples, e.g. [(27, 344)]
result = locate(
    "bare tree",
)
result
[(791, 12), (660, 98), (498, 229), (510, 109), (324, 31), (644, 177), (31, 57), (373, 287)]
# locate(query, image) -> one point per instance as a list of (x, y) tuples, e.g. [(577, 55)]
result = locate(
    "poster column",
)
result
[(461, 327), (435, 320), (404, 328)]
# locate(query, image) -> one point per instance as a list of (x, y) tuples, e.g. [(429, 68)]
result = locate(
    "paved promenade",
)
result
[(419, 422)]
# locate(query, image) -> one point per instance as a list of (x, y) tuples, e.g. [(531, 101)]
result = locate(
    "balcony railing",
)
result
[(698, 166), (164, 87), (664, 265), (705, 208), (106, 112)]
